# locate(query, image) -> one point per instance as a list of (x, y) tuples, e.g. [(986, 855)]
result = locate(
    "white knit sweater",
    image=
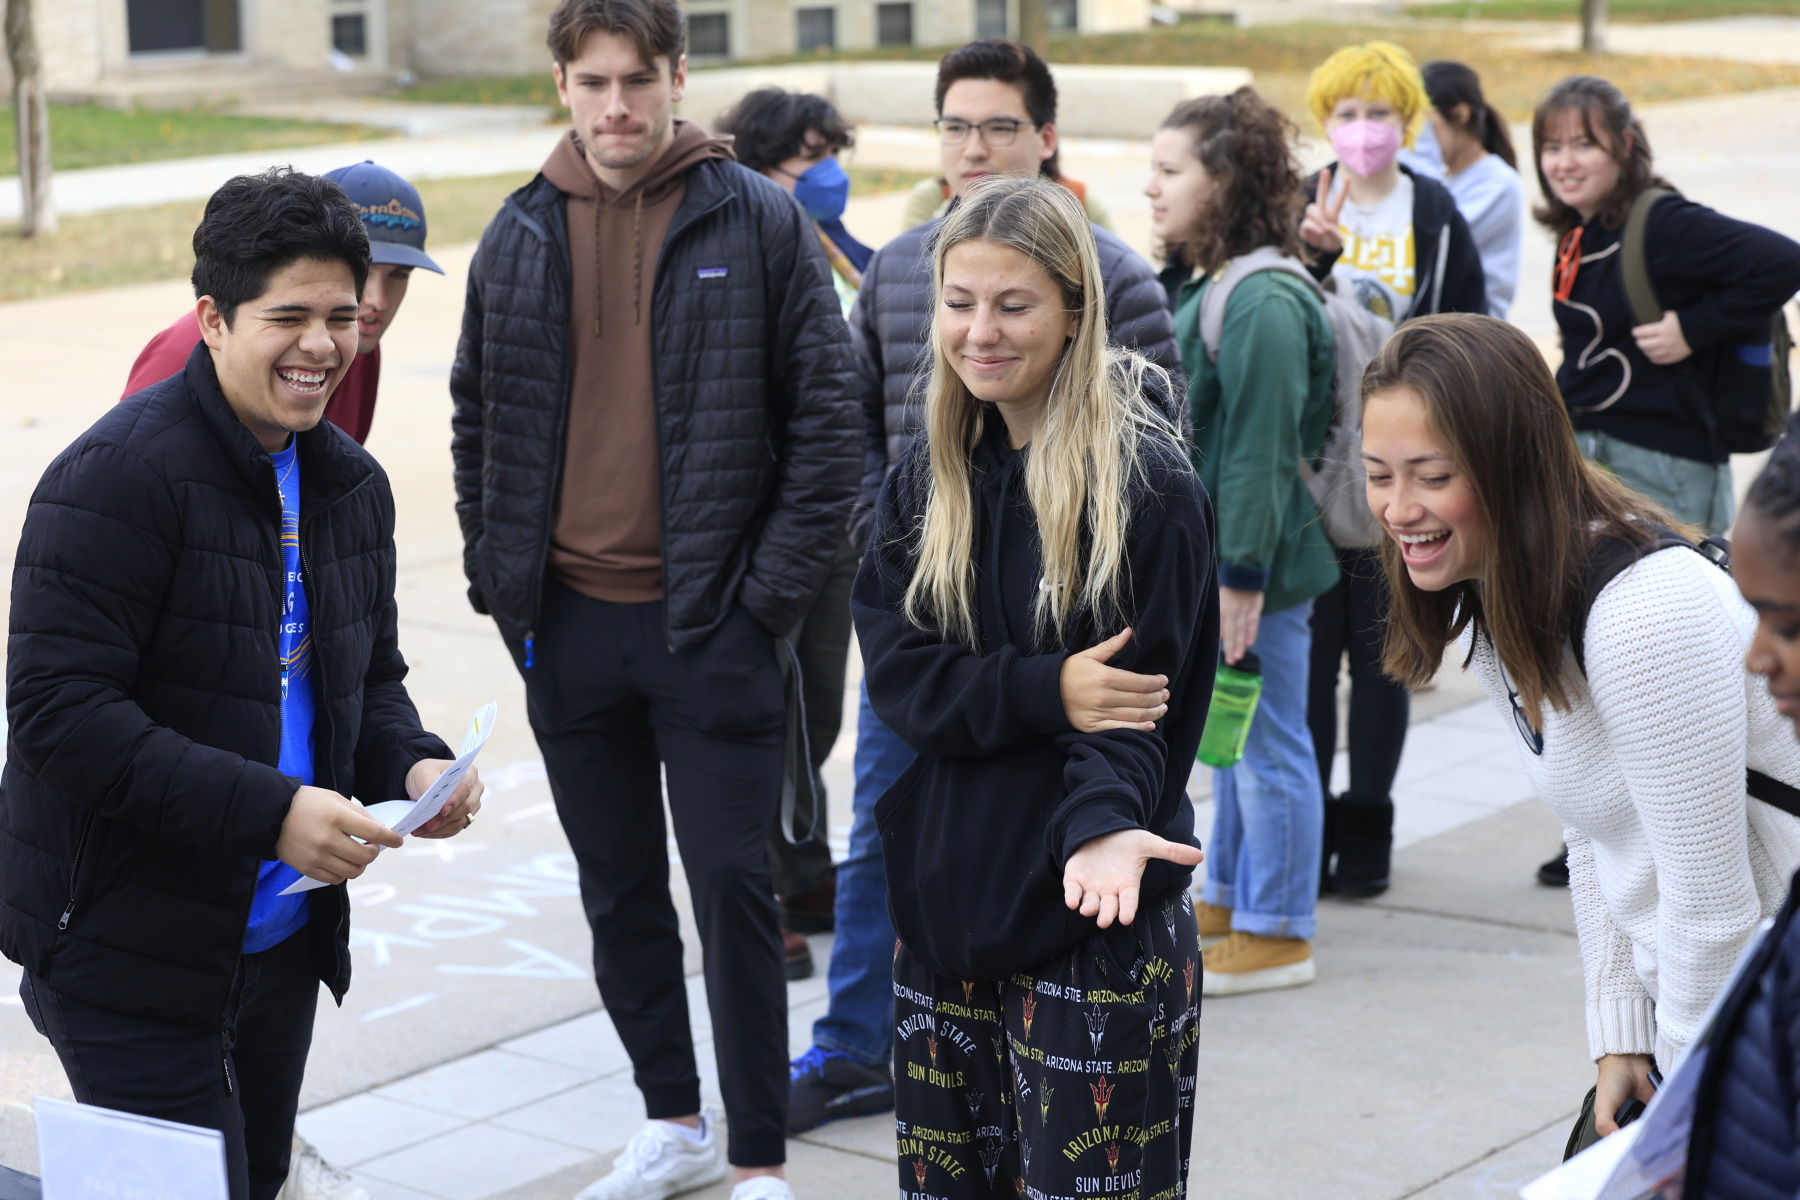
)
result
[(1671, 864)]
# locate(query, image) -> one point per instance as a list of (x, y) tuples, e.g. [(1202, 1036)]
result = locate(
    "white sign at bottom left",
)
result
[(90, 1153)]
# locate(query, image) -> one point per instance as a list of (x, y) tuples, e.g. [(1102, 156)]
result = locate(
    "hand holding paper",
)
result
[(409, 816)]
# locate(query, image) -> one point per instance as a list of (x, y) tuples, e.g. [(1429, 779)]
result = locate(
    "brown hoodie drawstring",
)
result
[(600, 274), (637, 265)]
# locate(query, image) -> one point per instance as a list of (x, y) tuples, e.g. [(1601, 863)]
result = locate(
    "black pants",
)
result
[(823, 648), (615, 711), (1073, 1079), (185, 1073), (1351, 618)]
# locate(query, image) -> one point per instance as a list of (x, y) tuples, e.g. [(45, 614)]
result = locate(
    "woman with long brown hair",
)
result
[(1636, 719), (1653, 401), (1045, 524)]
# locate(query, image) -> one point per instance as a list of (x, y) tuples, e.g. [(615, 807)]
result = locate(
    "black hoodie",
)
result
[(976, 832)]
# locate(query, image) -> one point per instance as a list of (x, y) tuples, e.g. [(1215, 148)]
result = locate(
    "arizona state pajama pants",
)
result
[(1074, 1079)]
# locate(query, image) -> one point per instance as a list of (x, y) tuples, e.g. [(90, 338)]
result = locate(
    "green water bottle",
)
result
[(1236, 689)]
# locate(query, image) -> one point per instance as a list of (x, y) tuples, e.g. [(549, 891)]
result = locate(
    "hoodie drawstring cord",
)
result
[(599, 272), (637, 273)]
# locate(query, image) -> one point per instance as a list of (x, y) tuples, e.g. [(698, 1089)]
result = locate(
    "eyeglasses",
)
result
[(1534, 741), (997, 131)]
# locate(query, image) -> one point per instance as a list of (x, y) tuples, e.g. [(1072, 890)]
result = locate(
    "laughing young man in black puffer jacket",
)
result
[(656, 453), (202, 666)]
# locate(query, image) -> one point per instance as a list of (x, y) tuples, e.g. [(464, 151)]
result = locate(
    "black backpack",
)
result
[(1611, 556), (1747, 403)]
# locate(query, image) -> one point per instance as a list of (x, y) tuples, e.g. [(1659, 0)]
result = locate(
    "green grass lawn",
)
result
[(141, 245), (86, 135), (1618, 10)]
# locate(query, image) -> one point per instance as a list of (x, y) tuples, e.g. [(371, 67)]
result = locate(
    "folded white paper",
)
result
[(403, 816), (90, 1153)]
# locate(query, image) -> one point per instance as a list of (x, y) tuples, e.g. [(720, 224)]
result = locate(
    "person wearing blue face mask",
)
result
[(794, 139)]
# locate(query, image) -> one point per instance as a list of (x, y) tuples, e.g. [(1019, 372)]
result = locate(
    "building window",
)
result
[(990, 18), (709, 35), (350, 35), (153, 25), (893, 25), (1064, 15), (815, 29)]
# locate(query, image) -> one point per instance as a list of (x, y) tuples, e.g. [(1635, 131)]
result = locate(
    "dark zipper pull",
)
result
[(225, 1061), (67, 914)]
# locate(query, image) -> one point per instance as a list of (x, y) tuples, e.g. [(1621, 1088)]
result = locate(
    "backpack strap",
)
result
[(1640, 292), (1610, 557), (1218, 291)]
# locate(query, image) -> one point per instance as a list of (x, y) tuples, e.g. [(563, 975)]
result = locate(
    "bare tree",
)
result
[(1593, 26), (31, 118), (1034, 25)]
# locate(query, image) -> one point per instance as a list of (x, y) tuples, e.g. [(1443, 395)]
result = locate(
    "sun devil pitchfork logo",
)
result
[(1096, 1021), (968, 991), (1044, 1104), (1030, 1010), (1187, 977), (919, 1171), (931, 1047), (1103, 1094), (1112, 1158)]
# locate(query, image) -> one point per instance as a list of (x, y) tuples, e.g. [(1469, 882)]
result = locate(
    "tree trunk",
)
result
[(1593, 26), (31, 121), (1034, 25)]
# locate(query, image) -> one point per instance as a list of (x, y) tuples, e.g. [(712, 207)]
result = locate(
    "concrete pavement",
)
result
[(1441, 1054)]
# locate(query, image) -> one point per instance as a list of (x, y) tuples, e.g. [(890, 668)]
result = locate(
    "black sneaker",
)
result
[(1555, 873), (825, 1086)]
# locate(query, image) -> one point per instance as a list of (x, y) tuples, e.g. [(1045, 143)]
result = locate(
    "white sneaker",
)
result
[(658, 1162), (310, 1177), (762, 1187)]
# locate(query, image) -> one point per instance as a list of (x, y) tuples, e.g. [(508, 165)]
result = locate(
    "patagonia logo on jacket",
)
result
[(711, 272)]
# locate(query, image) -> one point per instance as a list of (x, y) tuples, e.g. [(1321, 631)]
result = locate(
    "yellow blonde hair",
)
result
[(1083, 457), (1373, 71)]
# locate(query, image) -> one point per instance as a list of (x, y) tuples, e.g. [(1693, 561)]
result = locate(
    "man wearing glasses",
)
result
[(996, 107)]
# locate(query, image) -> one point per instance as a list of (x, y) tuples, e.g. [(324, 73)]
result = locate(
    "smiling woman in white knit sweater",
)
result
[(1495, 523)]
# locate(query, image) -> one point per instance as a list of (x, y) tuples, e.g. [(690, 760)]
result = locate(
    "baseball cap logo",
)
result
[(393, 214)]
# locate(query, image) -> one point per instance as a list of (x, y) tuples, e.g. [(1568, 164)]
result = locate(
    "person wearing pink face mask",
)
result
[(1394, 240)]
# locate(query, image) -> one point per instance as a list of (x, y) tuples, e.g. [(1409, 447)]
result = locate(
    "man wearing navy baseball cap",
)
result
[(394, 216)]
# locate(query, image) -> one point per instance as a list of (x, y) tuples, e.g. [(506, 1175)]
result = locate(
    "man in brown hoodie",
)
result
[(656, 453)]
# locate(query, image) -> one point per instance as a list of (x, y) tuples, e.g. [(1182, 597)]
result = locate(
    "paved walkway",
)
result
[(1440, 1055)]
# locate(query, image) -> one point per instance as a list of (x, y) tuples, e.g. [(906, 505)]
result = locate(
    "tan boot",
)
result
[(1215, 922), (1250, 962)]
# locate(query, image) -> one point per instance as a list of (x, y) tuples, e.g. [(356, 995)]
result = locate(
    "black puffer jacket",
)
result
[(760, 441), (144, 696), (890, 326), (1745, 1143)]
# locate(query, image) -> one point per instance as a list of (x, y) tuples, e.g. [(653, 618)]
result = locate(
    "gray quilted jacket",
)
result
[(890, 326), (759, 436)]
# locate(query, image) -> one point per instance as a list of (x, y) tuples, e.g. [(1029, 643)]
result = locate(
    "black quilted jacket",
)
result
[(1746, 1136), (760, 441), (144, 696), (890, 327)]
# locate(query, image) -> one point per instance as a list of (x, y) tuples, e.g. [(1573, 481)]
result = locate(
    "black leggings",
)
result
[(1351, 618)]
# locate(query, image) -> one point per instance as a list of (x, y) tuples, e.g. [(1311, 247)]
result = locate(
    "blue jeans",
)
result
[(1269, 815), (860, 1021)]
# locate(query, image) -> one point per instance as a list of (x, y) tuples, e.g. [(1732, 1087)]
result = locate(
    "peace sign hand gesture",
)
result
[(1319, 228)]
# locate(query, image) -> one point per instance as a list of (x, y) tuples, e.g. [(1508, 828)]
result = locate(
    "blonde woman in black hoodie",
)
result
[(1043, 552)]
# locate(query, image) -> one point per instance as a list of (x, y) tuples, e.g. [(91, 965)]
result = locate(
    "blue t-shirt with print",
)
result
[(273, 917)]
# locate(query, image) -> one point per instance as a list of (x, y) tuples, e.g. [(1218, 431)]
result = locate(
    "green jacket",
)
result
[(1262, 408)]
